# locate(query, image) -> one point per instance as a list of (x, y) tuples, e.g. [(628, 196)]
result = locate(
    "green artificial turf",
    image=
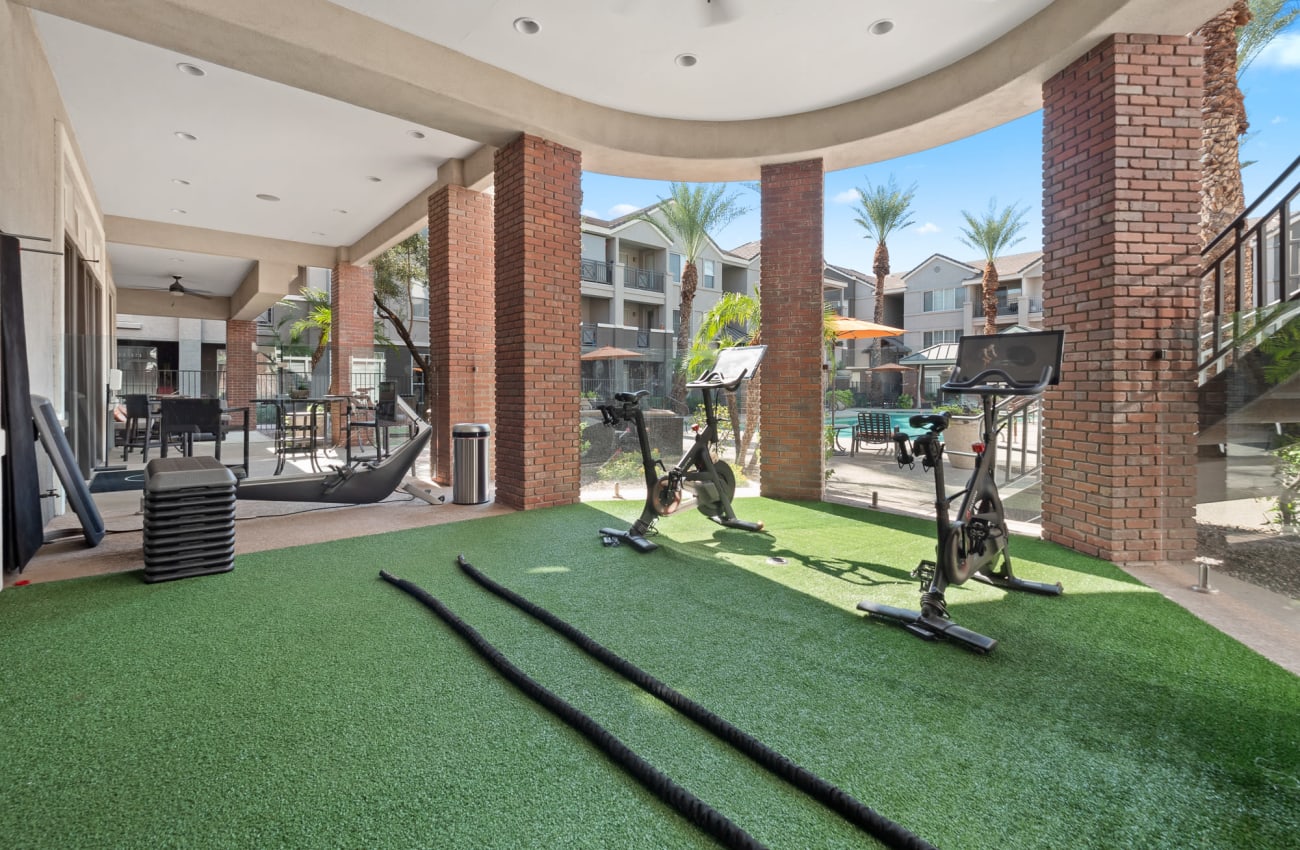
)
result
[(299, 701)]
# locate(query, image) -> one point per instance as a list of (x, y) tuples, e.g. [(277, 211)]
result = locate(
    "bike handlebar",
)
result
[(1008, 386)]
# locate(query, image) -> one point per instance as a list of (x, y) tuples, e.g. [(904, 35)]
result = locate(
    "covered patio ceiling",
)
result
[(319, 128)]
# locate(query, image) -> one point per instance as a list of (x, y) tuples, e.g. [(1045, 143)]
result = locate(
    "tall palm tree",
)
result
[(882, 210), (688, 214), (734, 320), (991, 234), (1232, 40)]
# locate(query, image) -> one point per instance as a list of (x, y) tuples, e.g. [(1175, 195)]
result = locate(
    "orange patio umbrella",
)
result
[(846, 328), (609, 352)]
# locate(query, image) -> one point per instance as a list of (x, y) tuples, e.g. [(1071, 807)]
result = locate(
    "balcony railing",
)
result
[(597, 271), (647, 280)]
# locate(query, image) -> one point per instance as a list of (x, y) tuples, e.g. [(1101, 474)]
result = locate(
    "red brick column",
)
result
[(241, 367), (352, 329), (462, 344), (793, 457), (1121, 172), (538, 317)]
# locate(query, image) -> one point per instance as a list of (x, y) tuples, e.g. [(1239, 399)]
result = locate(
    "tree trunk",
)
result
[(880, 267), (1223, 110), (990, 292), (690, 279)]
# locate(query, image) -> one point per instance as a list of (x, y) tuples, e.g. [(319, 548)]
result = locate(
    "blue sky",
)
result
[(1004, 163)]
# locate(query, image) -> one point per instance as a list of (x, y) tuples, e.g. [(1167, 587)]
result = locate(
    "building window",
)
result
[(710, 271), (675, 267), (936, 337), (944, 299)]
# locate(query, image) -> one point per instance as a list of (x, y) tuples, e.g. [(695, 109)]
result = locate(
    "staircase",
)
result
[(1249, 374)]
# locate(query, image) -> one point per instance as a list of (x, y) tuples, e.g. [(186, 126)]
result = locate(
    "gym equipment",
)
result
[(360, 483), (712, 480), (971, 545)]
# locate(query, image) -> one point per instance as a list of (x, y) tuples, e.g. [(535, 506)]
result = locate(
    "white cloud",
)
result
[(589, 213), (929, 227), (848, 196), (1278, 119), (622, 209), (1282, 52)]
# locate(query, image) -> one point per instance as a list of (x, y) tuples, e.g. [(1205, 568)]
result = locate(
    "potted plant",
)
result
[(964, 428), (301, 389)]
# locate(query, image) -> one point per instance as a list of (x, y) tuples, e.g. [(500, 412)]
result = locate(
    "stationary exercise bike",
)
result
[(972, 544), (712, 480)]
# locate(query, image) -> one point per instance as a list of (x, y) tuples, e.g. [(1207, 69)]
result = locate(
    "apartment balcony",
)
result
[(643, 280), (597, 271), (1007, 307)]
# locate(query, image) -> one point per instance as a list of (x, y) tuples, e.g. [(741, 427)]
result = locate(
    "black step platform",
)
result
[(189, 518)]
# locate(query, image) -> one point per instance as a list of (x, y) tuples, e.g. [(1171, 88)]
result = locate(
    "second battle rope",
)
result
[(687, 804), (859, 814)]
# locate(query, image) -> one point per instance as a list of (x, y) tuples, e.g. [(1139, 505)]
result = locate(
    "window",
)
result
[(675, 267), (936, 337), (944, 299), (710, 279)]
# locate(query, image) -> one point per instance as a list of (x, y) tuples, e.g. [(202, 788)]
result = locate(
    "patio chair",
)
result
[(873, 428), (385, 414), (186, 419)]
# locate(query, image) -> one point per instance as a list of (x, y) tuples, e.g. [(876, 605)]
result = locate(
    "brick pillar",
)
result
[(352, 330), (1121, 172), (462, 345), (538, 321), (793, 456), (241, 367)]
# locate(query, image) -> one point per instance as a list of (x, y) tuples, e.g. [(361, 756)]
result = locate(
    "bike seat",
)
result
[(933, 422), (630, 398)]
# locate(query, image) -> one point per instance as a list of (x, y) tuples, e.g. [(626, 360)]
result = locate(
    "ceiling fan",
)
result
[(177, 289)]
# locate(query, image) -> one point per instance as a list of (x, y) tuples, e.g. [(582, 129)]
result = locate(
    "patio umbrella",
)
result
[(609, 352), (890, 367), (846, 328)]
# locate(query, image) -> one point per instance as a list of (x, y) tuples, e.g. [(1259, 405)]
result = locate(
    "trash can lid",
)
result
[(470, 429)]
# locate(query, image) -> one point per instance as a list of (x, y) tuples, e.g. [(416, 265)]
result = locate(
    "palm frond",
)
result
[(995, 230), (884, 208)]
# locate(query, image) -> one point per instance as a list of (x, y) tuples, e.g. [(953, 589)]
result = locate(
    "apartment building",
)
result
[(943, 297)]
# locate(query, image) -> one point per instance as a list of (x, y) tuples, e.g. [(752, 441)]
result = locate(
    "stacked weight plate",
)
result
[(189, 518)]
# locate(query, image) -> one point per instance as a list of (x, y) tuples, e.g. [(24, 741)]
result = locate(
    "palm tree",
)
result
[(882, 210), (319, 316), (991, 234), (688, 214), (1233, 39), (398, 272), (734, 320)]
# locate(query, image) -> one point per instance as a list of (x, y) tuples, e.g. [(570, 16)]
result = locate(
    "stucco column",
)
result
[(462, 341), (1121, 209), (793, 456), (538, 323)]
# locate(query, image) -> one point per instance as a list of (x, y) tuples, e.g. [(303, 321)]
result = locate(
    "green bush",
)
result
[(624, 466)]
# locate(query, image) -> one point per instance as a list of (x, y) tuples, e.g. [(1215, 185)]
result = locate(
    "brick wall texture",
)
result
[(1121, 172), (538, 317), (793, 457), (462, 344), (352, 330), (241, 366)]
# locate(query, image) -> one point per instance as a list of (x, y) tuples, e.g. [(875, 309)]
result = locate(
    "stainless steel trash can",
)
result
[(469, 463)]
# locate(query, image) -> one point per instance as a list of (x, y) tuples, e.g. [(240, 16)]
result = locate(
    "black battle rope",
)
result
[(687, 804), (880, 827)]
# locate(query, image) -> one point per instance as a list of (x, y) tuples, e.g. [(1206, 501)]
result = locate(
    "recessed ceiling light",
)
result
[(341, 212), (262, 196), (527, 26), (178, 211), (179, 182), (317, 233), (192, 70), (375, 179), (686, 60), (415, 134), (881, 26), (189, 137)]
